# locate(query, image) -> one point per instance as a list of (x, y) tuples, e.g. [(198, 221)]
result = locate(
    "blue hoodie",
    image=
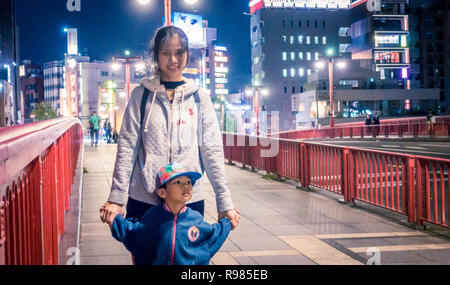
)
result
[(162, 238)]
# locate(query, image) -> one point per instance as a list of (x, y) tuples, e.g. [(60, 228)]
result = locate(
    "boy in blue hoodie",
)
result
[(171, 234)]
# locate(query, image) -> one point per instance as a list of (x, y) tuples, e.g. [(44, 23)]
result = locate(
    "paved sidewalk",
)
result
[(280, 225)]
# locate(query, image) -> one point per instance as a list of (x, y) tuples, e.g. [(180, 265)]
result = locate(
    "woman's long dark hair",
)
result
[(162, 36)]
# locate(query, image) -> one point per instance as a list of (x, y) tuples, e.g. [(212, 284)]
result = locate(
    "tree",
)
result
[(44, 111)]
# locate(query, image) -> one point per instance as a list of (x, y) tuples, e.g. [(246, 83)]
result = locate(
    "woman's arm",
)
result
[(212, 155), (127, 151)]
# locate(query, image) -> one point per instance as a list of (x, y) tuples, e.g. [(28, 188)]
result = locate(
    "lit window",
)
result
[(308, 56), (316, 56), (309, 71), (292, 55), (300, 40), (308, 40), (284, 55), (292, 72), (316, 40), (300, 55), (324, 40), (301, 72), (284, 39), (285, 72), (291, 38)]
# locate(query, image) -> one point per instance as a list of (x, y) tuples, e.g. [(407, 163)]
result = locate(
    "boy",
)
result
[(171, 234)]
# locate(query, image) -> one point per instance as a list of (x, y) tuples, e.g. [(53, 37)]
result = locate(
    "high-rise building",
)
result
[(287, 38), (217, 77), (430, 23), (31, 87), (9, 54), (379, 32), (54, 83)]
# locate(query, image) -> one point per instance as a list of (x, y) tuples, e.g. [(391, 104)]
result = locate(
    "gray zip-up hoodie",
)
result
[(185, 131)]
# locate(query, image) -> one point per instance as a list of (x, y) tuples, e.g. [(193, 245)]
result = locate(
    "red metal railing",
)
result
[(37, 167), (390, 127), (415, 186)]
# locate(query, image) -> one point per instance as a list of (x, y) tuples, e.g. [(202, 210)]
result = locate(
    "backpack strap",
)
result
[(143, 103)]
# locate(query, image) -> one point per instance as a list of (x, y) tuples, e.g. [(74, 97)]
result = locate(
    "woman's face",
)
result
[(172, 60)]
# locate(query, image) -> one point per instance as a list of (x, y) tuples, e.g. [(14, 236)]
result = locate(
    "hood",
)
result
[(154, 85)]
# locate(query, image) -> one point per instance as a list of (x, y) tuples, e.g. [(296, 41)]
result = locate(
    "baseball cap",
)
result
[(175, 169)]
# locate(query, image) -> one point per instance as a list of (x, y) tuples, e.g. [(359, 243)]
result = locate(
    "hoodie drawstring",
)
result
[(151, 107), (181, 117)]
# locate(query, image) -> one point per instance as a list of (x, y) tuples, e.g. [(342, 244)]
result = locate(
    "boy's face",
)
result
[(178, 190)]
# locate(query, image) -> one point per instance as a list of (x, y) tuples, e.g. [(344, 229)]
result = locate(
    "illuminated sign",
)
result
[(220, 48), (192, 25), (22, 70), (255, 5), (308, 3), (221, 91), (222, 69), (72, 42), (221, 59), (193, 71)]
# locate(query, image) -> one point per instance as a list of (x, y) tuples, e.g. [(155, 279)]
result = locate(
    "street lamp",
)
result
[(255, 90), (321, 65), (127, 59)]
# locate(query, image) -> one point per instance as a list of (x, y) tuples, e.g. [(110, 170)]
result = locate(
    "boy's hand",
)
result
[(232, 215), (109, 211)]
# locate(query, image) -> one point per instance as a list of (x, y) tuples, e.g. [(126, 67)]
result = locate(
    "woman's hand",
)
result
[(232, 215), (109, 210)]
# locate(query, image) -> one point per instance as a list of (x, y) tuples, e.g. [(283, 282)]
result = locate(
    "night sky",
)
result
[(108, 27)]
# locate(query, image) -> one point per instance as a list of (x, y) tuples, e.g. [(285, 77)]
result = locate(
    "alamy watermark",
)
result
[(375, 256), (74, 253), (73, 5)]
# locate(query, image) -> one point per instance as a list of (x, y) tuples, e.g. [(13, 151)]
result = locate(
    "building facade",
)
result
[(31, 87), (430, 23), (9, 54), (54, 84), (379, 32), (287, 38)]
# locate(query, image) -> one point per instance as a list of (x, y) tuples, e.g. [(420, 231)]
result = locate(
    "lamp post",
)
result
[(255, 90), (320, 65), (127, 59)]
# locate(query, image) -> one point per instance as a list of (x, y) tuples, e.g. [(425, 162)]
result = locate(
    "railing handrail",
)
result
[(384, 122), (351, 170), (35, 138)]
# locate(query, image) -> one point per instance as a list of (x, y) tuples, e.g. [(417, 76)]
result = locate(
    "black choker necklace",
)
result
[(172, 84)]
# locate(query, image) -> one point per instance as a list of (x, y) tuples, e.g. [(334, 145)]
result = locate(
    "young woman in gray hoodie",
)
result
[(179, 124)]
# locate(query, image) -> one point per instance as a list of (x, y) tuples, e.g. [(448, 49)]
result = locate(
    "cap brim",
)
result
[(194, 176)]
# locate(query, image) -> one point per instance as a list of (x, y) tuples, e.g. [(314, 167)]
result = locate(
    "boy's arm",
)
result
[(220, 232), (124, 231)]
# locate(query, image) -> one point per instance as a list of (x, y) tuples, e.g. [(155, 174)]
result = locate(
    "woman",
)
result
[(178, 124)]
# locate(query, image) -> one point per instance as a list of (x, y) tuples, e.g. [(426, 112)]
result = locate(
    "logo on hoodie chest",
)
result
[(193, 233), (184, 122)]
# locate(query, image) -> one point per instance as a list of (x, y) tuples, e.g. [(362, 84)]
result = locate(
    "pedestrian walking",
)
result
[(431, 120), (94, 124), (107, 128), (376, 124), (368, 124), (168, 118), (152, 240), (115, 136)]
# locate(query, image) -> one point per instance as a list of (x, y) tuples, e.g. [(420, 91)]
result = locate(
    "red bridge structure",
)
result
[(38, 163)]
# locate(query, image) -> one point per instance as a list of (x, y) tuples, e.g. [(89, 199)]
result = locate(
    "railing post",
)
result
[(2, 232), (345, 175), (410, 201), (351, 187), (421, 170), (305, 165)]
